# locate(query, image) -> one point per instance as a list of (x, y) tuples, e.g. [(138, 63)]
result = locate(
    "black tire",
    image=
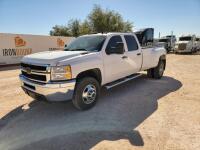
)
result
[(86, 85), (168, 50), (150, 73), (159, 70), (195, 50)]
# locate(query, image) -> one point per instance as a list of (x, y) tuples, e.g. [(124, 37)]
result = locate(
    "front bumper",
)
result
[(183, 51), (51, 91)]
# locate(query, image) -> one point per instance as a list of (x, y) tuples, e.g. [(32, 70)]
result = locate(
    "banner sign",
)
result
[(14, 46)]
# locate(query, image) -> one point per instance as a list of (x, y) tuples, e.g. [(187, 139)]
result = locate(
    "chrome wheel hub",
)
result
[(89, 94)]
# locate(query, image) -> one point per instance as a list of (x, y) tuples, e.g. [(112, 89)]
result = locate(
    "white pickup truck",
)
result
[(86, 64)]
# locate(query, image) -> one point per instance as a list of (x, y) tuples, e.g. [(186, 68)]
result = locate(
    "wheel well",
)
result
[(95, 73)]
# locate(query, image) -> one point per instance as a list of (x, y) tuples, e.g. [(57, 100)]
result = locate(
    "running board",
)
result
[(123, 80)]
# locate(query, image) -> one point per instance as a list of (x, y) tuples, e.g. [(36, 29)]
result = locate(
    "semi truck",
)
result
[(168, 42), (88, 63), (186, 44), (197, 43)]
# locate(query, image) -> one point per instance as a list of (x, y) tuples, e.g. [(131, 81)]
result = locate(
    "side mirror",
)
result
[(65, 45), (119, 49)]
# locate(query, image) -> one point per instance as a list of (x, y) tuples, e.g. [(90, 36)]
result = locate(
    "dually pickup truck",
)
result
[(86, 64)]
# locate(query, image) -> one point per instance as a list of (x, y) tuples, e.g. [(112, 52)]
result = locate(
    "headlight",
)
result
[(61, 73)]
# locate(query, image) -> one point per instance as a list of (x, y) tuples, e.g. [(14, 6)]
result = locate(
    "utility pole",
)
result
[(171, 39), (159, 35), (171, 36)]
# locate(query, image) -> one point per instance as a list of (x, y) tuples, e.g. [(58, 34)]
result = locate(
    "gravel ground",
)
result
[(141, 114)]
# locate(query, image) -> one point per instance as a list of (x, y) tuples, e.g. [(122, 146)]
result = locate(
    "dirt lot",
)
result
[(141, 114)]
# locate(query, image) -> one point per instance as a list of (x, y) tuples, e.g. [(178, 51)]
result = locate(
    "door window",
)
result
[(113, 42), (131, 43)]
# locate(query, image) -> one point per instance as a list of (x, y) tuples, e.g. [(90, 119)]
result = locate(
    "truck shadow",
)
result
[(59, 125)]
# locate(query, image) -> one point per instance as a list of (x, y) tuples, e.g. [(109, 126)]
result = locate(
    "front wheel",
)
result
[(86, 93)]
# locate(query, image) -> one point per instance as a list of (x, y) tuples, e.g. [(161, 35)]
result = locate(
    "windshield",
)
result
[(87, 43), (170, 36), (163, 40), (186, 38)]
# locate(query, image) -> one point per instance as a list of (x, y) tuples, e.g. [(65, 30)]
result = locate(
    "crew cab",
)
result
[(186, 44), (86, 64)]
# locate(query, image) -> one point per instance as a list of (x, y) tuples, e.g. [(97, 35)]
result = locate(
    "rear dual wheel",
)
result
[(158, 71)]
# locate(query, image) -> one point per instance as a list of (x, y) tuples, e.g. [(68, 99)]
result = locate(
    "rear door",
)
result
[(133, 54)]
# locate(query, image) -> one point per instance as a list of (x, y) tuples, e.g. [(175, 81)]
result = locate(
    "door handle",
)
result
[(124, 57), (138, 54)]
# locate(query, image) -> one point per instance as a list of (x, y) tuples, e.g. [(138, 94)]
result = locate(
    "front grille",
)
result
[(182, 46), (34, 67), (35, 72), (35, 76)]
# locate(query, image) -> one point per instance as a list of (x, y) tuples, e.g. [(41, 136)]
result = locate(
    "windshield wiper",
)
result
[(78, 49)]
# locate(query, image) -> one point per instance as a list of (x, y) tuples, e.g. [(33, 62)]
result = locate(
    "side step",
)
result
[(123, 80)]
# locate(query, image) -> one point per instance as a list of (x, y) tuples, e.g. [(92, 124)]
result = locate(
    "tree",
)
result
[(127, 27), (99, 21), (85, 28), (60, 31), (74, 27)]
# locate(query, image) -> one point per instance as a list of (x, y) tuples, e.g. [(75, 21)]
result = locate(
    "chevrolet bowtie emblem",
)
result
[(28, 70)]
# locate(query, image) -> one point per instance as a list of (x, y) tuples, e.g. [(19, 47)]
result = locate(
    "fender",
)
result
[(163, 57)]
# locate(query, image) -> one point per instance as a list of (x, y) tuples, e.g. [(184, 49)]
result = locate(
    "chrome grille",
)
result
[(182, 46), (34, 67), (38, 73)]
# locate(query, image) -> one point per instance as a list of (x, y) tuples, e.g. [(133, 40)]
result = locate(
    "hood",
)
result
[(51, 57), (163, 43)]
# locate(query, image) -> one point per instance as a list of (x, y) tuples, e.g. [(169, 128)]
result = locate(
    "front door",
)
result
[(114, 64)]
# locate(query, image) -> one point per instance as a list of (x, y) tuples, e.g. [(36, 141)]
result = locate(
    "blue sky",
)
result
[(39, 16)]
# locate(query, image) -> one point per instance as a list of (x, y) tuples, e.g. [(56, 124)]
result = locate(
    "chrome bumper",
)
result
[(51, 91), (183, 51)]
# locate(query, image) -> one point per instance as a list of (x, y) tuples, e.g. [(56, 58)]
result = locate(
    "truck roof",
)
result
[(188, 35), (109, 33)]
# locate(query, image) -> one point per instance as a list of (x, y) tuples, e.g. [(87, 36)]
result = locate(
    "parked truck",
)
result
[(88, 63), (186, 44), (168, 42), (145, 37), (197, 43)]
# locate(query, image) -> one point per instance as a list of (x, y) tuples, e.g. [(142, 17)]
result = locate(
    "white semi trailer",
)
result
[(14, 46)]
